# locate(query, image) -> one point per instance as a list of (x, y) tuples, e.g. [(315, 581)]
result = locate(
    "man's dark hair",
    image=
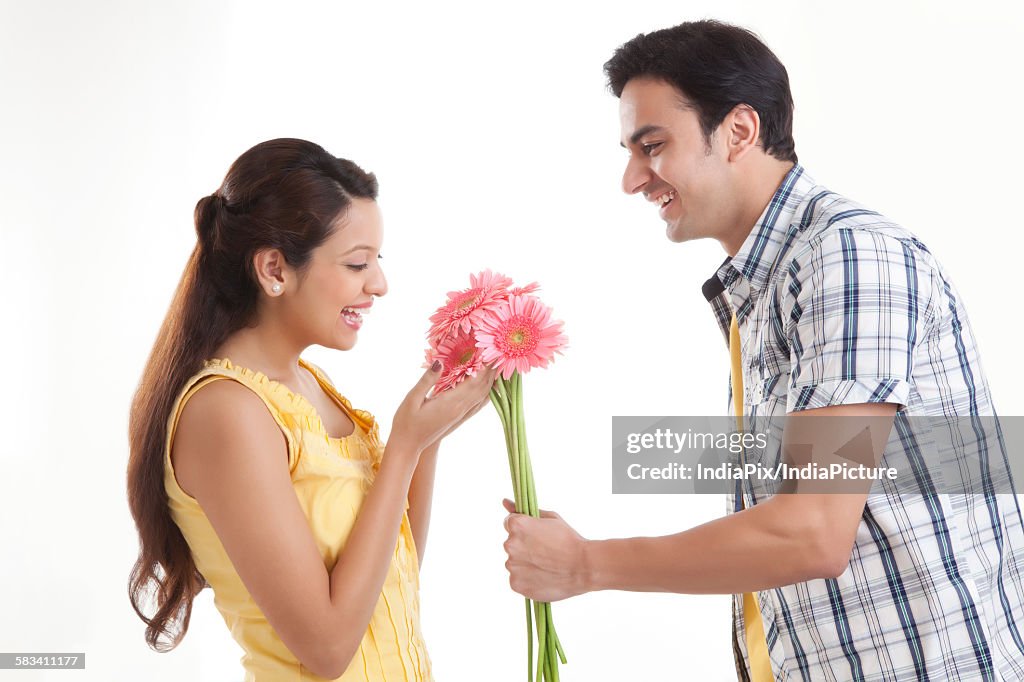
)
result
[(715, 66)]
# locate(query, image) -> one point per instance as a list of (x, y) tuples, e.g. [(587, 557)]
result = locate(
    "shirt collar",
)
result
[(757, 255)]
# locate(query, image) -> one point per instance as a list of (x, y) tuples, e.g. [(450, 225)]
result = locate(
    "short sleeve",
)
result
[(855, 312)]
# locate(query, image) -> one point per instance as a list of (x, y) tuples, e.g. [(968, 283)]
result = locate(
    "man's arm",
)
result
[(786, 539)]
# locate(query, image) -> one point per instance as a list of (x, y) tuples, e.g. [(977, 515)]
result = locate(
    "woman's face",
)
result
[(336, 291)]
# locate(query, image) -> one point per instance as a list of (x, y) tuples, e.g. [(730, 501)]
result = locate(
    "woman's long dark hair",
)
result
[(285, 194)]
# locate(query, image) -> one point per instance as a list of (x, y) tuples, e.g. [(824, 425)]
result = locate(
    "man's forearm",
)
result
[(766, 546)]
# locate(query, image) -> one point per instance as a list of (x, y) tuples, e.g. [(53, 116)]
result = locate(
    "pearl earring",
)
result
[(276, 288)]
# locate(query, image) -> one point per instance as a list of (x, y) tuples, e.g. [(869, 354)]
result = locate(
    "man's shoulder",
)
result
[(828, 221)]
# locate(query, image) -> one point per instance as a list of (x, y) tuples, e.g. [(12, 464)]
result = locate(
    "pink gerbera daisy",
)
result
[(464, 308), (460, 358), (519, 335), (528, 289)]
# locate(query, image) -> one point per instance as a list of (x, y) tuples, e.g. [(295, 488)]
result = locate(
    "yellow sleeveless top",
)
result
[(331, 477)]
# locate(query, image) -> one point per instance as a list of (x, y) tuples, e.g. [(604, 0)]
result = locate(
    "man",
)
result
[(838, 313)]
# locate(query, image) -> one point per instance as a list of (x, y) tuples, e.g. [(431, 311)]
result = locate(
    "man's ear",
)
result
[(272, 272), (742, 131)]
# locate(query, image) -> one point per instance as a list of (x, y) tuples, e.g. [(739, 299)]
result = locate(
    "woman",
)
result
[(249, 472)]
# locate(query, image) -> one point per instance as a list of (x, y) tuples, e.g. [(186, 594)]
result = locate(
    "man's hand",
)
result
[(546, 557)]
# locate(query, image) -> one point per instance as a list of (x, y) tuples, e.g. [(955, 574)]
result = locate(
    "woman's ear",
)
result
[(272, 272)]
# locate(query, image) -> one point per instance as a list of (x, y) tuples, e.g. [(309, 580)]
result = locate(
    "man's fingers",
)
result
[(544, 513)]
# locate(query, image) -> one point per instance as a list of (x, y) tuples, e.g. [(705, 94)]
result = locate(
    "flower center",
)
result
[(467, 302), (518, 338), (466, 356)]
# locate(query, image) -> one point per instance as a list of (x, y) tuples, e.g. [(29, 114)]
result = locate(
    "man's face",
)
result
[(671, 163)]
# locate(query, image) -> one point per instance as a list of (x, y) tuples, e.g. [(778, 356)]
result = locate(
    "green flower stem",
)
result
[(517, 488), (500, 401), (554, 663), (556, 646), (558, 643), (552, 658), (548, 660), (513, 396), (517, 415), (502, 409), (530, 490), (500, 398), (499, 386), (497, 405), (524, 450), (524, 461), (554, 634), (542, 641), (529, 642), (507, 398), (517, 469)]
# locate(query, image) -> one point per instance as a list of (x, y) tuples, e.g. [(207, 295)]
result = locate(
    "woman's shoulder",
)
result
[(214, 408), (219, 410), (287, 406), (211, 401), (218, 417), (245, 394)]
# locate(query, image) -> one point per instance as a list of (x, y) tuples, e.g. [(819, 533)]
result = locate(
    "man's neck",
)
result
[(763, 183)]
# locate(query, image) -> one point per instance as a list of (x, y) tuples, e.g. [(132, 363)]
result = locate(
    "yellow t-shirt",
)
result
[(331, 477)]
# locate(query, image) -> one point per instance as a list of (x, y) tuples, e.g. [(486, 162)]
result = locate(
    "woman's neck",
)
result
[(257, 349)]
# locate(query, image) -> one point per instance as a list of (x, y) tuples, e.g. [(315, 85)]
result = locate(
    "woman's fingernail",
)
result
[(436, 366)]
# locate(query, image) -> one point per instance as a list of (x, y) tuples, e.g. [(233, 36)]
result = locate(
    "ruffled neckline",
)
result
[(300, 404)]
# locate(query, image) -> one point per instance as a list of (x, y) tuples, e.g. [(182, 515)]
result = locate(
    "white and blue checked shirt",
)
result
[(837, 305)]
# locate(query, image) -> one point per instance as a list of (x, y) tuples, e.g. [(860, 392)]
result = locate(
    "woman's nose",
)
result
[(378, 284)]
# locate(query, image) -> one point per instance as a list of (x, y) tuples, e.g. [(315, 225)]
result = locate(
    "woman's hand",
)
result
[(421, 421), (471, 412)]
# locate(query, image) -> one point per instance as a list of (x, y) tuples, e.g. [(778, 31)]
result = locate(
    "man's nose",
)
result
[(635, 177)]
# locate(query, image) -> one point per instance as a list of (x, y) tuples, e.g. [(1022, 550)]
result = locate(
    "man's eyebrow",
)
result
[(635, 137)]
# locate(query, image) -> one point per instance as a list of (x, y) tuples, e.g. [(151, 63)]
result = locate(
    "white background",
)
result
[(496, 145)]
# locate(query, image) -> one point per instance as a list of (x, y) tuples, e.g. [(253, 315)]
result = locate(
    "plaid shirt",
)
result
[(837, 305)]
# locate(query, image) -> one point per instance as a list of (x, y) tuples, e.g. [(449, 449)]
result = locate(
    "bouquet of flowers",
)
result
[(496, 324)]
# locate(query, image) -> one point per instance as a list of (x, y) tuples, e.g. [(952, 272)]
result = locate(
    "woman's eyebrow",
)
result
[(356, 248)]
